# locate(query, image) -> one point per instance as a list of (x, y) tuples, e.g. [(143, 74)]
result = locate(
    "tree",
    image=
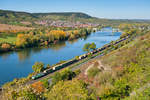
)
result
[(38, 67), (66, 74), (38, 87), (86, 47), (21, 40), (92, 46), (48, 66), (6, 46)]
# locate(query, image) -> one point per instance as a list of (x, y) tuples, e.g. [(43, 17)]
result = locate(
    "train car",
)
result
[(47, 71), (57, 67), (82, 56), (64, 64), (99, 49), (38, 76), (69, 62), (95, 51), (92, 52)]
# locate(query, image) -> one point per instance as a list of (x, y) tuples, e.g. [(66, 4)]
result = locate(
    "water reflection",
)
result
[(57, 46), (73, 41), (5, 55), (26, 53)]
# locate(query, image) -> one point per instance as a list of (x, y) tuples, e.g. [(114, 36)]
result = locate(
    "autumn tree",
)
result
[(21, 40), (38, 87), (38, 67), (5, 46), (69, 90), (58, 34)]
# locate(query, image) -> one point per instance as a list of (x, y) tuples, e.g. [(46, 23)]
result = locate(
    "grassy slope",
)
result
[(11, 40), (130, 71)]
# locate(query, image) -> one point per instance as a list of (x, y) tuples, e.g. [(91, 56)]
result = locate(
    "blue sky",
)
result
[(114, 9)]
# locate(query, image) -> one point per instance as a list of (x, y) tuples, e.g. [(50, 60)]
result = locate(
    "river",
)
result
[(18, 64)]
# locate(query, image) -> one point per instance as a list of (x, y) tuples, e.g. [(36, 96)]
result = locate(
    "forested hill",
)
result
[(24, 16), (15, 17), (65, 14)]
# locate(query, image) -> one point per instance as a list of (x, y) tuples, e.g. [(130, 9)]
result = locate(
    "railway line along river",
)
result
[(18, 64)]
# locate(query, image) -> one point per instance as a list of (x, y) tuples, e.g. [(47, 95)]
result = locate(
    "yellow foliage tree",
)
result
[(38, 87), (69, 90), (58, 34), (21, 40)]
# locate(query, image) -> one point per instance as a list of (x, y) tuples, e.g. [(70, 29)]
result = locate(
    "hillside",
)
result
[(65, 14), (19, 18), (123, 73), (6, 15)]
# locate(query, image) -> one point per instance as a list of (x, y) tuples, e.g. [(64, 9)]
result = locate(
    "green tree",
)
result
[(86, 47), (48, 66), (92, 46), (38, 67), (66, 74)]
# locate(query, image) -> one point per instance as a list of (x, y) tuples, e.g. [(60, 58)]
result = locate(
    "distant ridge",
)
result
[(15, 17), (75, 14), (9, 13)]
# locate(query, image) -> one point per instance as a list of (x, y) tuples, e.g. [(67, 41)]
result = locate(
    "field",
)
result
[(13, 28), (11, 40)]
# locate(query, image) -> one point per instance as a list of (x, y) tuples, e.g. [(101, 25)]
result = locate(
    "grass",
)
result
[(93, 71), (11, 40)]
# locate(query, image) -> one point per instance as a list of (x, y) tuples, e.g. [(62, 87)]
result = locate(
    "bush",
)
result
[(93, 71), (66, 74), (69, 90), (45, 83)]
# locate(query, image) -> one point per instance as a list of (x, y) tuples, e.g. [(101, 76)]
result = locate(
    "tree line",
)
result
[(43, 37)]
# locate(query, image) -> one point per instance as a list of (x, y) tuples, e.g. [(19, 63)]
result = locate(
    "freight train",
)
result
[(69, 62)]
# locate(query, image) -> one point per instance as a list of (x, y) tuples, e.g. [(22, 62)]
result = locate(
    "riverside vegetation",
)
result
[(39, 38)]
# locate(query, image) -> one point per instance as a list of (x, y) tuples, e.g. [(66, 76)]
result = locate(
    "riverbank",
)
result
[(31, 39)]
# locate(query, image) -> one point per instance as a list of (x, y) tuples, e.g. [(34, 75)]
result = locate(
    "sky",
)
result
[(112, 9)]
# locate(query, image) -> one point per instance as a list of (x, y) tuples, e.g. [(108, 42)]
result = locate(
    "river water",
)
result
[(19, 64)]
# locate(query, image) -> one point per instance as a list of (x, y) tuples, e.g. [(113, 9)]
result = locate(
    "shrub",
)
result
[(5, 46), (93, 71), (66, 74), (69, 90)]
